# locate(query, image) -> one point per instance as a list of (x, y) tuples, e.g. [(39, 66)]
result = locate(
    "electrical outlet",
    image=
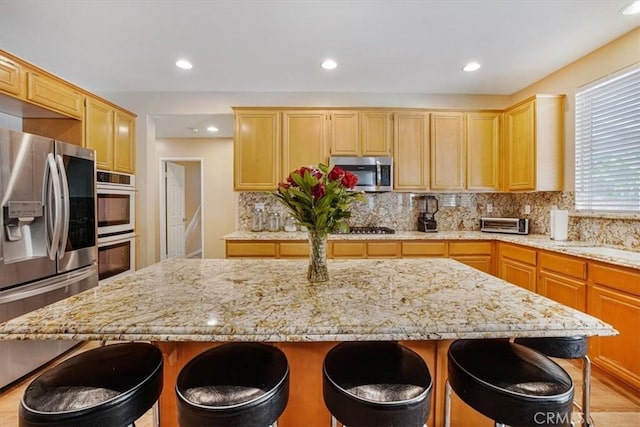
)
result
[(259, 206), (489, 208), (527, 209)]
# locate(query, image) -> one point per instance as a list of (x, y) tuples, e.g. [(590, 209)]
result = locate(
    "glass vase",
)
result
[(317, 271)]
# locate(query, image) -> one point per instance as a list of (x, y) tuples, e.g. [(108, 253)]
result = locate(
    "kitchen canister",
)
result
[(559, 222)]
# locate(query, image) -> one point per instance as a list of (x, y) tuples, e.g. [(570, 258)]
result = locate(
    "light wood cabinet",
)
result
[(257, 150), (475, 254), (249, 249), (483, 151), (447, 149), (419, 249), (54, 95), (11, 77), (111, 132), (613, 295), (517, 265), (304, 139), (348, 249), (99, 132), (534, 145), (360, 133), (410, 151), (563, 279), (124, 145)]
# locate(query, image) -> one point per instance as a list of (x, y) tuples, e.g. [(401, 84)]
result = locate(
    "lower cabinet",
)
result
[(613, 295), (517, 265), (478, 255), (563, 279)]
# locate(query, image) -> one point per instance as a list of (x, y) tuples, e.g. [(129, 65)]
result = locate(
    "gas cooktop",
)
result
[(371, 230)]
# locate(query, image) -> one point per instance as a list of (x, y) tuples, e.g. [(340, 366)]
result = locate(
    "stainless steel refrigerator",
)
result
[(48, 248)]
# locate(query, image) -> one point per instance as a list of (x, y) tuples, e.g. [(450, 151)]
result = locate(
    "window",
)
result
[(608, 144)]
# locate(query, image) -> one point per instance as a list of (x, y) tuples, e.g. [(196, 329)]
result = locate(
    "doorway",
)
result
[(181, 210)]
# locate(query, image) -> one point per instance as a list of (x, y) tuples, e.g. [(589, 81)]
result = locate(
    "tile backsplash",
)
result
[(462, 211)]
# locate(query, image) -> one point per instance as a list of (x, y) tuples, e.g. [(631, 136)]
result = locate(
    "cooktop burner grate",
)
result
[(371, 230)]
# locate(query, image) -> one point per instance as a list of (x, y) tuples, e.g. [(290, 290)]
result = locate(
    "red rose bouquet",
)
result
[(319, 197)]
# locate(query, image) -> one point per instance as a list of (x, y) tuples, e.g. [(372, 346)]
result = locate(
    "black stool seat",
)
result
[(560, 347), (510, 383), (112, 385), (372, 384), (239, 384)]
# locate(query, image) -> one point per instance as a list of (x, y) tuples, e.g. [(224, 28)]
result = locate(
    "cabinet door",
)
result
[(420, 249), (448, 157), (479, 262), (375, 133), (54, 94), (483, 149), (617, 355), (520, 149), (344, 133), (383, 250), (348, 249), (256, 150), (250, 249), (518, 273), (570, 292), (304, 140), (99, 132), (411, 137), (124, 144), (11, 75)]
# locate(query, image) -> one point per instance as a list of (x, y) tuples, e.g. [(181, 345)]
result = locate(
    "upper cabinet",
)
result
[(410, 150), (304, 139), (360, 133), (447, 148), (54, 95), (11, 77), (111, 132), (256, 150), (483, 151), (534, 145)]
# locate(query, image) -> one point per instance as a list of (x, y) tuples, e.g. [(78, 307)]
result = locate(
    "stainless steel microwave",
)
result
[(374, 173)]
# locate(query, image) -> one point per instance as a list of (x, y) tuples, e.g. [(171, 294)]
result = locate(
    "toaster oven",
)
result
[(505, 225)]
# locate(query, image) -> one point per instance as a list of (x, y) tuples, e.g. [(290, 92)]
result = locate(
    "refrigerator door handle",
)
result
[(54, 216), (65, 207), (20, 293)]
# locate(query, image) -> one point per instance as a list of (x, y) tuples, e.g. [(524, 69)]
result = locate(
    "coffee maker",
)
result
[(426, 219)]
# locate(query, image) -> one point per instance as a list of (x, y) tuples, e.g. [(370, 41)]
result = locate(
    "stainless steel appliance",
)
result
[(48, 246), (505, 225), (375, 174), (116, 203), (116, 256), (427, 217)]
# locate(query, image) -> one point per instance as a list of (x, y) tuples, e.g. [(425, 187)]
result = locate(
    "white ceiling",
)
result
[(385, 46)]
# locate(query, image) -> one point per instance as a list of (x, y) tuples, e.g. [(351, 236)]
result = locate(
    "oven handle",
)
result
[(65, 208), (73, 278), (51, 179)]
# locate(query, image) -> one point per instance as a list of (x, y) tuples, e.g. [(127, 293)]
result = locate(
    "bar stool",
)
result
[(568, 348), (376, 384), (238, 384), (112, 385), (509, 383)]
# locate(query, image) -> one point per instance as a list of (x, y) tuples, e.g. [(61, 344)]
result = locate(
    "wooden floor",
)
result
[(609, 406)]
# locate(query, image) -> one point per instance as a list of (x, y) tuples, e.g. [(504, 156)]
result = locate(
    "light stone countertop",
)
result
[(617, 256), (271, 300)]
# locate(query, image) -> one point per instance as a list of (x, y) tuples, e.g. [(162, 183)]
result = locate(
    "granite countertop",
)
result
[(271, 300), (618, 256)]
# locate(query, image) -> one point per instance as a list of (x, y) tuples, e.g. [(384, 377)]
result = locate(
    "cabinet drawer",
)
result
[(568, 266), (383, 249), (615, 277), (410, 249), (251, 249), (528, 256), (294, 249), (470, 248), (10, 76), (54, 94), (349, 249)]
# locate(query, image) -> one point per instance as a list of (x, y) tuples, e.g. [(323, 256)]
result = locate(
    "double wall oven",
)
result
[(116, 224)]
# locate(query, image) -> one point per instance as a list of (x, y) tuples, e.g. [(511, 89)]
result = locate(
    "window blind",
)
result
[(608, 145)]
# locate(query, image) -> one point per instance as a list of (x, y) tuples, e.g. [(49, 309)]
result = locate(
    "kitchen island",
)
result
[(185, 306)]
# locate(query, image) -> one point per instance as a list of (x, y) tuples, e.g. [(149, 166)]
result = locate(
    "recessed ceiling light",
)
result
[(195, 130), (631, 9), (329, 64), (471, 66), (212, 129), (184, 64)]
